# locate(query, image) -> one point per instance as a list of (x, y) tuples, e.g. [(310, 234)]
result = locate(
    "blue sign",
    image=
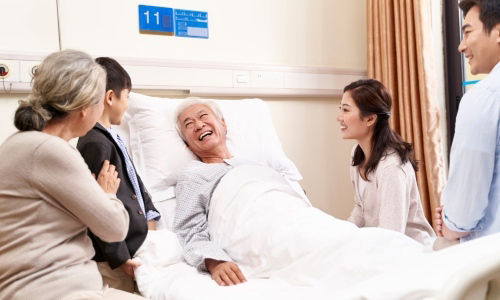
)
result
[(191, 23), (156, 19)]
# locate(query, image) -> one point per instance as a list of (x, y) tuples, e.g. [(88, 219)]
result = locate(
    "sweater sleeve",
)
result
[(393, 195), (60, 172), (356, 215)]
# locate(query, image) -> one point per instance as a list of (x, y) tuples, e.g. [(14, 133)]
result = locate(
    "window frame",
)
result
[(454, 64)]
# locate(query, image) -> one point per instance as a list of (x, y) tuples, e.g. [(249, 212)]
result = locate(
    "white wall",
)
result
[(324, 33), (310, 136), (278, 32), (28, 26)]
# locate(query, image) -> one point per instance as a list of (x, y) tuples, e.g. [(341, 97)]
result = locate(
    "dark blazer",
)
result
[(96, 146)]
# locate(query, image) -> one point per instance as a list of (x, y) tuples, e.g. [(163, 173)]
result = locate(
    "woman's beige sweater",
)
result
[(48, 199), (390, 200)]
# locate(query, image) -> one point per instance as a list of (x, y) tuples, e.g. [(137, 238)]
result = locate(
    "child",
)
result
[(383, 166), (103, 143)]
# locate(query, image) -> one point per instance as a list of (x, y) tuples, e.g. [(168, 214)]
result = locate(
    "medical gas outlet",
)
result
[(4, 71), (33, 70)]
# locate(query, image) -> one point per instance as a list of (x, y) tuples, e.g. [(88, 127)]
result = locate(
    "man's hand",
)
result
[(151, 225), (438, 220), (129, 266), (224, 272), (442, 230)]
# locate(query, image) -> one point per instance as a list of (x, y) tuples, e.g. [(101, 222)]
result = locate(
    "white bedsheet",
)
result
[(290, 250), (273, 233)]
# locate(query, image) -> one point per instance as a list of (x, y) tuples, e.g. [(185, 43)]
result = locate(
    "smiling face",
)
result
[(352, 125), (204, 133), (482, 49)]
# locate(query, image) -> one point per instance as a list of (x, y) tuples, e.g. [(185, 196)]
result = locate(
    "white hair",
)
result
[(65, 81), (193, 101)]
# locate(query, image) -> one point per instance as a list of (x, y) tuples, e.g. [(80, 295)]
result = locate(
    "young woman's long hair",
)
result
[(371, 97)]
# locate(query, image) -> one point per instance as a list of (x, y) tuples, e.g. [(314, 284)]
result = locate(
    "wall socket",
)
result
[(28, 69), (9, 70), (18, 70), (4, 71)]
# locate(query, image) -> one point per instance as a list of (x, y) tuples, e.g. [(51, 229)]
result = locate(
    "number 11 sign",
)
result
[(155, 19)]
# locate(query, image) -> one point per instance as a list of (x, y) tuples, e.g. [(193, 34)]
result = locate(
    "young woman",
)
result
[(383, 167)]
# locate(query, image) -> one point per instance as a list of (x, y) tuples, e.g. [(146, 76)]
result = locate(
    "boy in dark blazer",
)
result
[(102, 143)]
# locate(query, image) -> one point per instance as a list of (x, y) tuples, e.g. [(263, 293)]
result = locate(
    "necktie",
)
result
[(131, 173)]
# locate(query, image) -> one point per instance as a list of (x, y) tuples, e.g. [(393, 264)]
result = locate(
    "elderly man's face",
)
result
[(203, 131)]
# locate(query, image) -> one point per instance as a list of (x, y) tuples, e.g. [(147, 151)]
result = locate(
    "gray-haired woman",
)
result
[(48, 197)]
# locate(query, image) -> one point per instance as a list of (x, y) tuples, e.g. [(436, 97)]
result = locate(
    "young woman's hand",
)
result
[(108, 178), (224, 272)]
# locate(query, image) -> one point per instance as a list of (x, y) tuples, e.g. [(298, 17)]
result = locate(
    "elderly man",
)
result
[(202, 127), (471, 199), (234, 210)]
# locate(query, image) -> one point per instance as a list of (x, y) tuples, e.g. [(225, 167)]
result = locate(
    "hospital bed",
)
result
[(467, 271)]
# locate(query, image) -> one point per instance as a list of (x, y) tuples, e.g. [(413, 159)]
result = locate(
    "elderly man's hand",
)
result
[(224, 272)]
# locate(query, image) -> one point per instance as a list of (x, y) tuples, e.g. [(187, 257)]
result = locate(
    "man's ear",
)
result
[(108, 97), (371, 119), (496, 32), (223, 124)]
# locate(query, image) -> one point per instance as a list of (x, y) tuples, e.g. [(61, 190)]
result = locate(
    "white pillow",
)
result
[(160, 154)]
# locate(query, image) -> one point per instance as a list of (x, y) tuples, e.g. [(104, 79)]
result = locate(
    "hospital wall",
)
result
[(291, 33)]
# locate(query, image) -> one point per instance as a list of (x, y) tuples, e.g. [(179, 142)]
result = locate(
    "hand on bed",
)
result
[(129, 266), (224, 272)]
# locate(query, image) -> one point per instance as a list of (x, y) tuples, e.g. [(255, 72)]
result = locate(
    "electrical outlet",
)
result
[(28, 69), (241, 78), (9, 70), (4, 71)]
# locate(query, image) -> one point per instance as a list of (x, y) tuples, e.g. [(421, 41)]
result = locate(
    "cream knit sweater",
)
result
[(48, 199), (390, 200)]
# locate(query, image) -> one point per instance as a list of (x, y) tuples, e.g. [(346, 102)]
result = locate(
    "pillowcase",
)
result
[(160, 154)]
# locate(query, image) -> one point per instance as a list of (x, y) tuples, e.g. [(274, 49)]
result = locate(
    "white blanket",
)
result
[(290, 250), (271, 232)]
